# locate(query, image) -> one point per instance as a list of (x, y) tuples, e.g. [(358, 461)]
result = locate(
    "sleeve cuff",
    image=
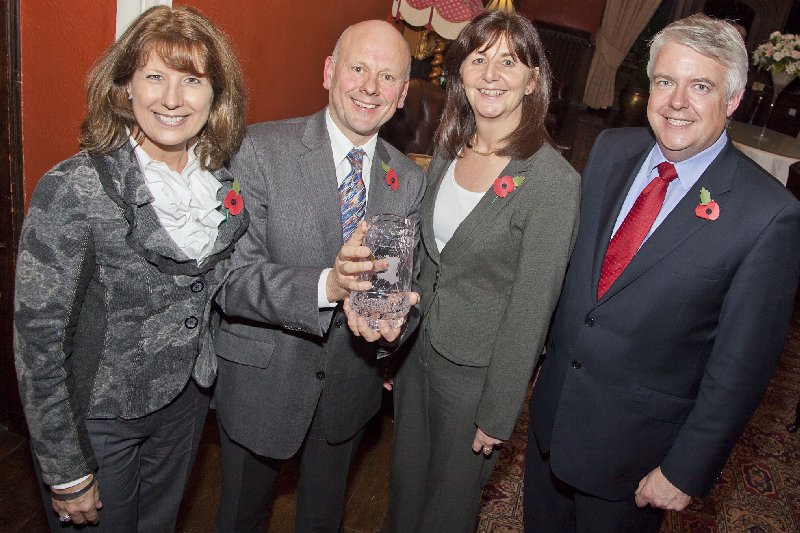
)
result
[(322, 291), (62, 486)]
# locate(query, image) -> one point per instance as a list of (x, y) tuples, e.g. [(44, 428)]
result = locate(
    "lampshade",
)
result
[(500, 5), (445, 17)]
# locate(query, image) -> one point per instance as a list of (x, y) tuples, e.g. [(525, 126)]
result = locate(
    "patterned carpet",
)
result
[(758, 492)]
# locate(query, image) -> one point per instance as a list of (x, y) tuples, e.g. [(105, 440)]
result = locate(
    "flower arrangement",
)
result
[(781, 53)]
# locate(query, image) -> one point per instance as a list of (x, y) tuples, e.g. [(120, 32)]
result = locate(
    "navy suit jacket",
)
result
[(668, 366)]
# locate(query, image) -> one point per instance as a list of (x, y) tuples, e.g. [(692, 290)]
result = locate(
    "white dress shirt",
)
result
[(185, 202), (453, 204), (340, 147)]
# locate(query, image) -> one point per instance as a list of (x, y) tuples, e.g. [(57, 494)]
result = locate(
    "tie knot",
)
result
[(355, 157), (666, 171)]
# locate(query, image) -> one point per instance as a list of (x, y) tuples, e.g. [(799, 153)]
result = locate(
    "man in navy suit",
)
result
[(675, 306)]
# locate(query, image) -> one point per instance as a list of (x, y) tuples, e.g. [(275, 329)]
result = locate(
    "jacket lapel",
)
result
[(436, 172), (122, 179), (489, 206), (382, 198), (317, 183), (681, 223), (232, 227)]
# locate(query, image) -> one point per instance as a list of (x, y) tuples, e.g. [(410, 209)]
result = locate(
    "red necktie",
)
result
[(634, 228)]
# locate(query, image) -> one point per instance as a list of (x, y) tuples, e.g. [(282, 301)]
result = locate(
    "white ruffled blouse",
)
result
[(185, 202)]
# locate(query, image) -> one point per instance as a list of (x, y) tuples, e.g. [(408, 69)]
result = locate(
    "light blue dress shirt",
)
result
[(689, 172)]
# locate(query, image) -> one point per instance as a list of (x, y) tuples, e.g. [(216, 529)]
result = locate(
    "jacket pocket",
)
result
[(693, 270), (664, 407), (243, 350)]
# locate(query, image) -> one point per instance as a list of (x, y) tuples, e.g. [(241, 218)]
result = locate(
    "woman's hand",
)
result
[(483, 443), (82, 509)]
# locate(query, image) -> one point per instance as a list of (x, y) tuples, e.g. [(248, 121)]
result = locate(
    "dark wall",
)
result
[(579, 14)]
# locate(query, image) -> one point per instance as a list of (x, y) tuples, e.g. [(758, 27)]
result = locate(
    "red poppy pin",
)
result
[(707, 208), (233, 202), (391, 176), (506, 184)]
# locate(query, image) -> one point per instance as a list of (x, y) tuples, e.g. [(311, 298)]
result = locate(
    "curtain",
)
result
[(623, 21)]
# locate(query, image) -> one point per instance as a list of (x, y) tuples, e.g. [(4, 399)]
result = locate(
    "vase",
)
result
[(390, 238), (779, 82)]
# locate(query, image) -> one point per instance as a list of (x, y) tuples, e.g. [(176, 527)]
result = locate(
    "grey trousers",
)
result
[(143, 466), (435, 478), (248, 480)]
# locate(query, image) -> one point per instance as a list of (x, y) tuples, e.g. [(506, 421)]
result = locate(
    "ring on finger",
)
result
[(64, 518)]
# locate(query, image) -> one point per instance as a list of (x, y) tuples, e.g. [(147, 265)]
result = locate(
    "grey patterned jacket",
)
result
[(110, 315)]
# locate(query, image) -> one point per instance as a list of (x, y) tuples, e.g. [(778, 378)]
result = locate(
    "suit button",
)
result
[(320, 375), (589, 322), (190, 322), (576, 365), (338, 322), (437, 275), (198, 285)]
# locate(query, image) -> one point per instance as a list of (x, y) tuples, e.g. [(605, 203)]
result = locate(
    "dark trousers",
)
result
[(143, 466), (551, 505), (248, 479), (435, 478)]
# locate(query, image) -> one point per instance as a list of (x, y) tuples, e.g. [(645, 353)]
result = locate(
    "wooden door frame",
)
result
[(11, 205)]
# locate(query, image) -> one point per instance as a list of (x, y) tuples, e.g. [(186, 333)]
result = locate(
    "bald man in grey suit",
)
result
[(292, 376)]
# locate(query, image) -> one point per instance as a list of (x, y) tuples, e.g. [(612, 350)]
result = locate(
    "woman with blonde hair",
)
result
[(122, 250)]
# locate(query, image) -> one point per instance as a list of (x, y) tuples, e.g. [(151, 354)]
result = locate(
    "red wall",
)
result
[(59, 43), (579, 14), (281, 45)]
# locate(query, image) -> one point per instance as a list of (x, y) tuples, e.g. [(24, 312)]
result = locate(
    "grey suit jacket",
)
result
[(277, 351), (110, 314), (488, 295)]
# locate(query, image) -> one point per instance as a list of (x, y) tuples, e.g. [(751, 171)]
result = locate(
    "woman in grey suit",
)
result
[(498, 223), (121, 253)]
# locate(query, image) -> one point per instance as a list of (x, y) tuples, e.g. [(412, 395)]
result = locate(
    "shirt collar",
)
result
[(341, 145), (690, 170), (145, 161)]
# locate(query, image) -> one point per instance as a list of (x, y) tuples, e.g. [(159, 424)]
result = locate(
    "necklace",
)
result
[(471, 146)]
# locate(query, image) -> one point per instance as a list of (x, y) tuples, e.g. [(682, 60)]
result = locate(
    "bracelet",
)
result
[(72, 495)]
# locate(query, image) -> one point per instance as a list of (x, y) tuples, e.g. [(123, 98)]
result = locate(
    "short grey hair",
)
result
[(338, 46), (713, 38)]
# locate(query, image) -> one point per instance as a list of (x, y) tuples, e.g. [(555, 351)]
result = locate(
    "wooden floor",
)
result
[(21, 509)]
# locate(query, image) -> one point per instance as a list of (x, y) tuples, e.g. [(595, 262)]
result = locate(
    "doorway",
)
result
[(11, 206)]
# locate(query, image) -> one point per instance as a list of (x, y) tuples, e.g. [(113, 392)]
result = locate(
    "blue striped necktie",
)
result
[(353, 194)]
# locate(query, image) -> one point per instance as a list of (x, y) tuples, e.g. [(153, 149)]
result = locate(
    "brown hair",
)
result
[(182, 37), (458, 121)]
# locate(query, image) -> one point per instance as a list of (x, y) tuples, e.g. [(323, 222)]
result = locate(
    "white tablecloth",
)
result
[(775, 164), (773, 150)]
